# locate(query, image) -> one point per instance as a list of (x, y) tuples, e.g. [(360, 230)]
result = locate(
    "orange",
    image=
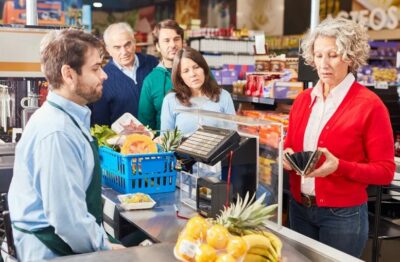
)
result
[(196, 227), (237, 247), (225, 258), (218, 236), (205, 253)]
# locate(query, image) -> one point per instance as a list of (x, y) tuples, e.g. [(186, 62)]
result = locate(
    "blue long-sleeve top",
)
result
[(189, 123), (53, 168), (120, 93)]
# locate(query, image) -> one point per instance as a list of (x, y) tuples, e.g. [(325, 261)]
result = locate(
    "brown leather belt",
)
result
[(308, 200)]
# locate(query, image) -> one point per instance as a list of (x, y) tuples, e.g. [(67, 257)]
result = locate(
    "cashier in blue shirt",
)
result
[(55, 194)]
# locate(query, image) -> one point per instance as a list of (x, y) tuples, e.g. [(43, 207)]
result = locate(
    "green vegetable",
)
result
[(102, 133)]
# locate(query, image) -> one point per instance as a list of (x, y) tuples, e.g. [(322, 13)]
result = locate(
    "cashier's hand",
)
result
[(328, 167), (116, 246), (286, 164)]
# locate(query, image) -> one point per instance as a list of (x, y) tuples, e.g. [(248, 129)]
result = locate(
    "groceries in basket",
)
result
[(125, 126), (131, 161), (138, 144), (129, 136), (103, 133), (238, 234)]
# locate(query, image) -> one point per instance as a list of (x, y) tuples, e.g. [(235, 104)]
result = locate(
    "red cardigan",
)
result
[(359, 133)]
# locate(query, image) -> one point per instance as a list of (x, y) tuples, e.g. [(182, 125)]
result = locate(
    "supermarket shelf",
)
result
[(385, 34), (373, 85), (220, 38), (144, 44), (268, 151), (382, 58), (228, 88), (294, 49), (260, 100), (225, 53)]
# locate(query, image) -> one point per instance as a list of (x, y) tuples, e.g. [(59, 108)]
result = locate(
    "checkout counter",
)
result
[(163, 226), (7, 152), (163, 223)]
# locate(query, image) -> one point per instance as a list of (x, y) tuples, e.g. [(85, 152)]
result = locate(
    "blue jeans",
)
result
[(345, 229)]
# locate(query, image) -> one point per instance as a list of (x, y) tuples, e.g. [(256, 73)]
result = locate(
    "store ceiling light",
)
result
[(98, 4)]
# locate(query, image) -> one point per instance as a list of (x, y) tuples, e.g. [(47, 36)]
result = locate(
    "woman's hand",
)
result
[(286, 164), (328, 167)]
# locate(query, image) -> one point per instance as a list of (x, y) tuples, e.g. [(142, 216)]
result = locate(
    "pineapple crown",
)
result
[(171, 140), (244, 214)]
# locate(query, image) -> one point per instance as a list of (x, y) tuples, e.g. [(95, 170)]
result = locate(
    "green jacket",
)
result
[(155, 86)]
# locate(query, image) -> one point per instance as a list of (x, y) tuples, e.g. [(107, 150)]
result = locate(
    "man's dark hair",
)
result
[(209, 88), (69, 47), (166, 24)]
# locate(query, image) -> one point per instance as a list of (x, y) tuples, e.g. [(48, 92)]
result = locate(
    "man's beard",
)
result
[(89, 95)]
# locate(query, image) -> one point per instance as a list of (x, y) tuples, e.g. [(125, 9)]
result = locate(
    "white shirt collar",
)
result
[(135, 64), (337, 93)]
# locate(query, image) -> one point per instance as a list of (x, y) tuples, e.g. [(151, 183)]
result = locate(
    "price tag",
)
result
[(255, 99), (381, 85)]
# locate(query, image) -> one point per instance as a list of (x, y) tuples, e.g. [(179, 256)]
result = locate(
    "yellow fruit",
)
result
[(225, 258), (138, 144), (257, 240), (260, 241), (255, 258), (275, 242), (237, 247), (197, 227), (218, 236), (205, 253), (186, 248)]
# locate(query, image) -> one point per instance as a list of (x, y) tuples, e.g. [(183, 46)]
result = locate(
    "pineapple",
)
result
[(245, 215), (171, 140)]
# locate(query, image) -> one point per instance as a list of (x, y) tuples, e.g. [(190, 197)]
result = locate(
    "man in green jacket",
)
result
[(168, 39)]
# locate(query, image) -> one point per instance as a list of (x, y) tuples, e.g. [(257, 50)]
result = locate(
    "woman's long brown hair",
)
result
[(209, 88)]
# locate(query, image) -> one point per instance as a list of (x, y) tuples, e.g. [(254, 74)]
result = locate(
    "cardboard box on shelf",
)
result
[(217, 76), (240, 70), (228, 76), (286, 90)]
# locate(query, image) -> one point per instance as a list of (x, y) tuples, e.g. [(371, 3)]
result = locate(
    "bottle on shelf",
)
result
[(397, 146)]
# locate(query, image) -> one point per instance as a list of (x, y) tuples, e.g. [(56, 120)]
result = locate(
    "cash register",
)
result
[(238, 156)]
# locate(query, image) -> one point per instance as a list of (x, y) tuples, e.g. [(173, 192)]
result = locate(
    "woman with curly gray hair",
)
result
[(350, 125)]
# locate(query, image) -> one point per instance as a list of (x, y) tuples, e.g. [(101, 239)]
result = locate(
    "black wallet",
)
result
[(303, 162)]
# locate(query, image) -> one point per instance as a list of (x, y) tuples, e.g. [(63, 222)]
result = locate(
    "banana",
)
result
[(255, 258), (269, 253), (275, 242), (257, 240), (262, 251)]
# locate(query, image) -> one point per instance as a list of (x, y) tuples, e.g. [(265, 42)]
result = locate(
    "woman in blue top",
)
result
[(193, 88)]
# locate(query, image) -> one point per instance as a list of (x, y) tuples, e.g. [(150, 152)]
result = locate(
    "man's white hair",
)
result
[(117, 27)]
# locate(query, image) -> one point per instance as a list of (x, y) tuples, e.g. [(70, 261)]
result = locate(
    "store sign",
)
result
[(376, 19), (50, 12)]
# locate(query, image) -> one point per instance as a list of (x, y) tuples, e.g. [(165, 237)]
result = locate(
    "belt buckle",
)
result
[(307, 202)]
